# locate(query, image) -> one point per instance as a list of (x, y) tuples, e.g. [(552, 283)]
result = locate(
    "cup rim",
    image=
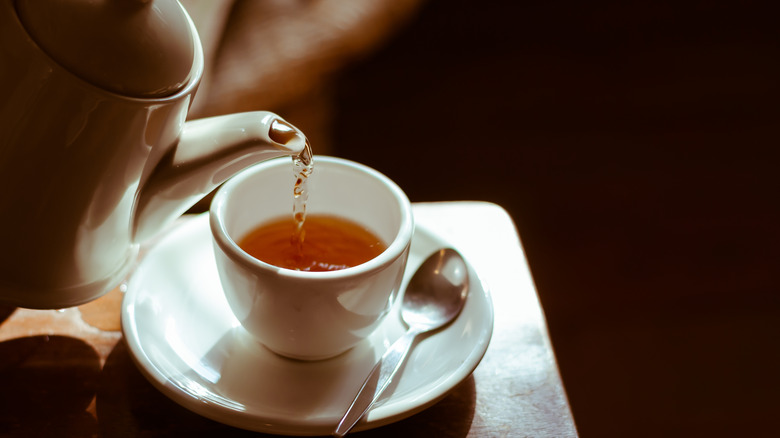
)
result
[(230, 247)]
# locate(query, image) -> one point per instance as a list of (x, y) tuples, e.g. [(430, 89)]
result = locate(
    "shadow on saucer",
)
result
[(46, 385), (129, 406)]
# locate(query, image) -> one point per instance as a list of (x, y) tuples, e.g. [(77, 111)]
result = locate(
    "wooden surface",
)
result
[(69, 373)]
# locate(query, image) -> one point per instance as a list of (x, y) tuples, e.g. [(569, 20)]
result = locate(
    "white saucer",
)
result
[(186, 341)]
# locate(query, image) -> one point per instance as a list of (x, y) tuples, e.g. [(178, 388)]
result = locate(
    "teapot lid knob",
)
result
[(137, 48)]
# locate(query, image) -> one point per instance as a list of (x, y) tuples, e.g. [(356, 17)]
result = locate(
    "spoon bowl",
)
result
[(434, 297), (437, 291)]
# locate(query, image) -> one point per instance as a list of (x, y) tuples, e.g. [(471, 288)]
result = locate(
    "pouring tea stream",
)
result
[(95, 153)]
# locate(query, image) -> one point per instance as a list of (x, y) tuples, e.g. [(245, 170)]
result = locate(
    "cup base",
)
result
[(303, 358)]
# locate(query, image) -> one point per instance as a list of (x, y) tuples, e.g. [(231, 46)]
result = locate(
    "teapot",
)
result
[(95, 154)]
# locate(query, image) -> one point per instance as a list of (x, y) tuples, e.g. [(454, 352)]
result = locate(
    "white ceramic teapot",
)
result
[(95, 154)]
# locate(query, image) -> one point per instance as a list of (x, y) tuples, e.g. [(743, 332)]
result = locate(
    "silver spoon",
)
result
[(434, 297)]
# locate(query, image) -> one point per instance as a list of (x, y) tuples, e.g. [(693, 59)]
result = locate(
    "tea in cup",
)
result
[(320, 299)]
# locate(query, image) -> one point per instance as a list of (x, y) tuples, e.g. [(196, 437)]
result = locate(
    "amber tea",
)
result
[(310, 243), (326, 243)]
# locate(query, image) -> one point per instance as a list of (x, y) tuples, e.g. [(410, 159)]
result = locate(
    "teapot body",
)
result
[(86, 173), (72, 157)]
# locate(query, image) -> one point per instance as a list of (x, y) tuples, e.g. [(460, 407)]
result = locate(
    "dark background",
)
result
[(634, 145)]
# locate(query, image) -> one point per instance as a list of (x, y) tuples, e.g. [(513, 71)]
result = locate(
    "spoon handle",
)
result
[(378, 380)]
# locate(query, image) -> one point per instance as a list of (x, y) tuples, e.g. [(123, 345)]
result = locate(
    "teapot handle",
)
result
[(210, 151)]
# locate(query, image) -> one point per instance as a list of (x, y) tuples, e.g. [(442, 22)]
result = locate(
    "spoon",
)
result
[(434, 297)]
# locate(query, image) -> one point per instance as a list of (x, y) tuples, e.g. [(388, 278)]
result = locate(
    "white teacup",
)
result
[(310, 315)]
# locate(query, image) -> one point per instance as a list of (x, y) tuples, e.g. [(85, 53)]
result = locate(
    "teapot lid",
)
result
[(137, 48)]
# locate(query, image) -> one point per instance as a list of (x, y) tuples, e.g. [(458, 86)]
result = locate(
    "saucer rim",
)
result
[(381, 415)]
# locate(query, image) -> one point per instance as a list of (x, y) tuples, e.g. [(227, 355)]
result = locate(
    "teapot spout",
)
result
[(210, 151)]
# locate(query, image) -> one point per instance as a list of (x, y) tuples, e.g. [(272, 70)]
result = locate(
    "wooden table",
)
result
[(69, 373)]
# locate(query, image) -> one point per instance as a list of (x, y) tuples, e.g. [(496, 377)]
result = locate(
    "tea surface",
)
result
[(325, 243)]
